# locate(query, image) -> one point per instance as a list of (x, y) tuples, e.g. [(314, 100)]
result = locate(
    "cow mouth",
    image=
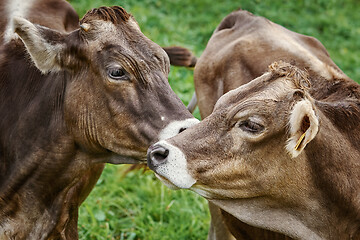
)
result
[(167, 182), (198, 188), (204, 191)]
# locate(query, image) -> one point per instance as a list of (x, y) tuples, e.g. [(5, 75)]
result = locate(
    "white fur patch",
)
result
[(15, 8), (301, 109), (174, 127), (175, 168)]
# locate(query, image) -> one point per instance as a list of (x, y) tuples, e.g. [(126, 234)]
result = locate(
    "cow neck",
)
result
[(38, 167), (334, 154), (334, 160), (255, 213)]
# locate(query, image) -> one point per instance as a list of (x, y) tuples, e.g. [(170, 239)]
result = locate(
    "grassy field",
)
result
[(140, 207)]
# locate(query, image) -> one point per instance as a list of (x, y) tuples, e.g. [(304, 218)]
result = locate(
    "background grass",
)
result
[(140, 207)]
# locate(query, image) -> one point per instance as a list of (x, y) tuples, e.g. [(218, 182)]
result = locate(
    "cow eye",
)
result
[(117, 73), (251, 127)]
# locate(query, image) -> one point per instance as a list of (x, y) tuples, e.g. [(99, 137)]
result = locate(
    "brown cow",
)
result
[(280, 153), (71, 100), (240, 50)]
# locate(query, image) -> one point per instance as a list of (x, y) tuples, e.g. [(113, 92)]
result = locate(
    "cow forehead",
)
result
[(126, 36), (100, 30), (257, 90), (113, 26), (109, 22)]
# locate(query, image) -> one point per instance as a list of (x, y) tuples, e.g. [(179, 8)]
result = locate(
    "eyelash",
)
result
[(251, 127)]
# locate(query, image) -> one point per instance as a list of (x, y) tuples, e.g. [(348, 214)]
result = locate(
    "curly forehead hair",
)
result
[(113, 14), (299, 77)]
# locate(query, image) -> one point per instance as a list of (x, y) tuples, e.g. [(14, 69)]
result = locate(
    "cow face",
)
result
[(117, 99), (250, 146)]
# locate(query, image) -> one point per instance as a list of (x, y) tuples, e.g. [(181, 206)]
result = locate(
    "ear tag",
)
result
[(300, 141)]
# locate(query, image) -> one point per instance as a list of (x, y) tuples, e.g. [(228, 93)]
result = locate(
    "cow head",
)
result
[(250, 151), (117, 99), (250, 146)]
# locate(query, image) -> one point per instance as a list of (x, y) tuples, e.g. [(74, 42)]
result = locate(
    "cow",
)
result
[(72, 98), (240, 49), (280, 153)]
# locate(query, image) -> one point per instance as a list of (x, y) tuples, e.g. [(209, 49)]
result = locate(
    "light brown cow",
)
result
[(276, 155), (240, 50), (71, 100)]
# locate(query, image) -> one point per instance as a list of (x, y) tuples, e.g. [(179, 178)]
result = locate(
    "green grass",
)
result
[(138, 206)]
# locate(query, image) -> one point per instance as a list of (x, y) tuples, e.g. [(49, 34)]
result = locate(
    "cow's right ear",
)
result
[(304, 125), (43, 44)]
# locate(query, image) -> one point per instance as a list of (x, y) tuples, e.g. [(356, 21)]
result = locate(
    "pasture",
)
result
[(138, 206)]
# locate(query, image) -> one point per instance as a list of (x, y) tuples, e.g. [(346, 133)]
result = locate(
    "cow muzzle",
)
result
[(170, 166)]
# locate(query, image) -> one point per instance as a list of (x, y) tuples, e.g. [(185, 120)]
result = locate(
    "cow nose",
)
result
[(157, 155)]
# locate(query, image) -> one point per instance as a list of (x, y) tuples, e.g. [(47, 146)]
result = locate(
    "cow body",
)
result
[(250, 44), (217, 167), (71, 100)]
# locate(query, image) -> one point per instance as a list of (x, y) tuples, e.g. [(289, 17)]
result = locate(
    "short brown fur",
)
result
[(206, 82), (115, 14), (240, 50), (70, 103)]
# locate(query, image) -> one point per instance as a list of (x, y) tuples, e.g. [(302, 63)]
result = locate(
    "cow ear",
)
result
[(304, 125), (43, 44)]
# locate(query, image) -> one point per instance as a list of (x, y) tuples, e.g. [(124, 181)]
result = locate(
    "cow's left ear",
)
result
[(304, 125), (43, 44)]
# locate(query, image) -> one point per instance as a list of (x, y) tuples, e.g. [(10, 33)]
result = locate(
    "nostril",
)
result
[(159, 154), (182, 129)]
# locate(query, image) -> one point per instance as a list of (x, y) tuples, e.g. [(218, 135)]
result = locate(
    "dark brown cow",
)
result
[(71, 100), (240, 50)]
